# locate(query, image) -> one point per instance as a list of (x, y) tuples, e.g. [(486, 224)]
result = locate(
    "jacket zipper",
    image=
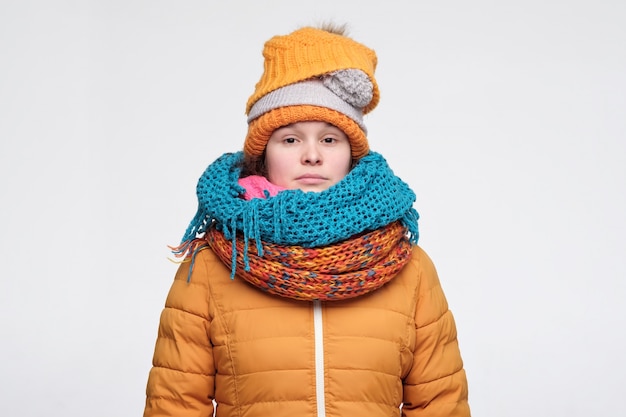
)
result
[(318, 331)]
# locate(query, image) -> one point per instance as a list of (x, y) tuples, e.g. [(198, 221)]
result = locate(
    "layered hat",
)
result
[(313, 75)]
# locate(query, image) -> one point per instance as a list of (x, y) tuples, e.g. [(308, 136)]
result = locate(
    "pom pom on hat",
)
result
[(353, 86), (313, 74)]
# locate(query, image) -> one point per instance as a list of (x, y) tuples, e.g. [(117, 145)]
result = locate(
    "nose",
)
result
[(311, 154)]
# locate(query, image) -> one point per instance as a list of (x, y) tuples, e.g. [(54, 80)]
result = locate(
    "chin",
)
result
[(313, 189)]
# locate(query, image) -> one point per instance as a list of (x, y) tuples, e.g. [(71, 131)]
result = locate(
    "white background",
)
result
[(508, 119)]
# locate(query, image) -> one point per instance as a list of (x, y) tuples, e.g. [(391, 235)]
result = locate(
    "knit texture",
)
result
[(346, 68), (260, 129), (327, 93), (369, 197), (307, 53), (344, 270), (257, 186)]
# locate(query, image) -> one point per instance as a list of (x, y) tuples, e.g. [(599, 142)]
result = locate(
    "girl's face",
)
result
[(310, 156)]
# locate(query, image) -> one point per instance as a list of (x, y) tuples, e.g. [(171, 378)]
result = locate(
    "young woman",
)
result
[(303, 291)]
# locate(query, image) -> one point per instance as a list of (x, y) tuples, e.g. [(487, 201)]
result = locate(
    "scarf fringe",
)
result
[(410, 219), (189, 248), (188, 251), (197, 226)]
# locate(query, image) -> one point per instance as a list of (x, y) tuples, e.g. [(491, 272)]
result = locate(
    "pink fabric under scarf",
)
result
[(256, 185)]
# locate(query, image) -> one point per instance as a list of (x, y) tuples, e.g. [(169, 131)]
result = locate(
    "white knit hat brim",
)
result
[(310, 92)]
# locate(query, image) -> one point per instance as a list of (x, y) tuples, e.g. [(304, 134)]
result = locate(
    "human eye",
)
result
[(289, 140), (329, 139)]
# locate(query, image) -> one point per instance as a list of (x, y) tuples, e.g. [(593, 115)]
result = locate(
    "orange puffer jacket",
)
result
[(260, 355)]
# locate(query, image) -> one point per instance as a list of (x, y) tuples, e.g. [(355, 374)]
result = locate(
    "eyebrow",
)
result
[(291, 129)]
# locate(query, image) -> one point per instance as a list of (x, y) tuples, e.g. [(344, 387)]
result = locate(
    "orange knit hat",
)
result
[(313, 74)]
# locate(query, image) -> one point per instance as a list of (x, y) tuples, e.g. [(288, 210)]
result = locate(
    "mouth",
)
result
[(311, 179)]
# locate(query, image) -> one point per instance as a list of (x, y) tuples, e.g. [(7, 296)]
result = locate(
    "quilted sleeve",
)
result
[(436, 385), (181, 381)]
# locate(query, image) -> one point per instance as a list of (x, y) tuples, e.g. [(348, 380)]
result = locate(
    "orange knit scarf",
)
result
[(339, 271)]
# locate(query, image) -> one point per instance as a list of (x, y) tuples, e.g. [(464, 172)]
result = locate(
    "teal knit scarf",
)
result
[(368, 197)]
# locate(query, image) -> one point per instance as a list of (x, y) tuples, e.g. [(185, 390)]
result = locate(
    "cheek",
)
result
[(344, 165), (277, 168)]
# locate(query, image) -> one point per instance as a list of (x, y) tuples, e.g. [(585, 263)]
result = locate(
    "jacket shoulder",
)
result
[(430, 298), (192, 282)]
